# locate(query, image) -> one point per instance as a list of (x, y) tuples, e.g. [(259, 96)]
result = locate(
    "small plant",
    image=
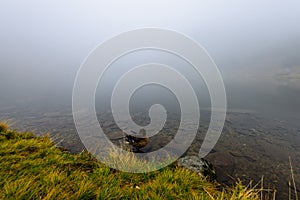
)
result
[(3, 127), (293, 181)]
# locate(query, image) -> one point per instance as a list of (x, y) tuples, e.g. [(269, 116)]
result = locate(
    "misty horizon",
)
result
[(256, 52)]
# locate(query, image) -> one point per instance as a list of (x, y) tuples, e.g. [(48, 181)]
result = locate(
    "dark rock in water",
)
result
[(198, 165), (224, 165), (138, 141)]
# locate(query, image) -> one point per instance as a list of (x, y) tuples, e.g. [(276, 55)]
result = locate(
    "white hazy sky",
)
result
[(43, 43), (72, 28)]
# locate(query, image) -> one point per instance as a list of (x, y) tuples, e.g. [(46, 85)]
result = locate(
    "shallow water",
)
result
[(251, 145)]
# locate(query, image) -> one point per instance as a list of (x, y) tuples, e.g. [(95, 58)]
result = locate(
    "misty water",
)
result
[(261, 130), (254, 44)]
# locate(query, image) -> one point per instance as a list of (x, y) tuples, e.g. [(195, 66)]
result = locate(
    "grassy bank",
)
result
[(33, 168)]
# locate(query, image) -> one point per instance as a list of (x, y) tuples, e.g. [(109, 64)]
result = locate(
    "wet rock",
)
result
[(198, 165), (223, 163), (138, 141)]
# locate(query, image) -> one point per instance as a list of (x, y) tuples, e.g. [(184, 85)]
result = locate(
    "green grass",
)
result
[(33, 168)]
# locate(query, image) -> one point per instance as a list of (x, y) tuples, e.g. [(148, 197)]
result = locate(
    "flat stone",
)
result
[(199, 165)]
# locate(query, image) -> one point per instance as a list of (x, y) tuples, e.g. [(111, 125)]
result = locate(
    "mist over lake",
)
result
[(254, 44)]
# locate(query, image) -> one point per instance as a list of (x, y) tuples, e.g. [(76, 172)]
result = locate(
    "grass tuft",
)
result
[(3, 127)]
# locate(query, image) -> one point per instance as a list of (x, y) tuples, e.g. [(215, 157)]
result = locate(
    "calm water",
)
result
[(262, 126), (252, 144)]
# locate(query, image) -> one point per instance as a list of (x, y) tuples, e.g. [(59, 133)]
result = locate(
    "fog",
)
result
[(255, 45)]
